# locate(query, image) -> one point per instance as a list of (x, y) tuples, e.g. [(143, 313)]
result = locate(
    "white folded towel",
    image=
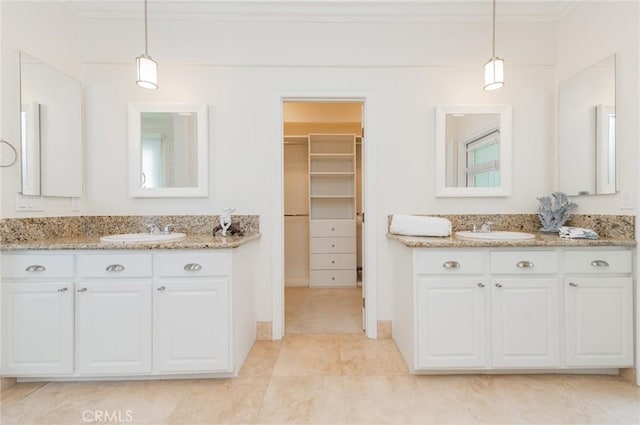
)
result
[(415, 225), (576, 233)]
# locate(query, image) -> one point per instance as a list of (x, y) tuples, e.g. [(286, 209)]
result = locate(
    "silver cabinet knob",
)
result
[(333, 261), (480, 285), (35, 268), (82, 290), (115, 268), (524, 264), (451, 265), (573, 284), (599, 263), (65, 289), (498, 285), (192, 267), (162, 288), (333, 229), (333, 245)]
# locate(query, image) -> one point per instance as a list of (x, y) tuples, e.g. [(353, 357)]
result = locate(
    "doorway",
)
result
[(323, 216)]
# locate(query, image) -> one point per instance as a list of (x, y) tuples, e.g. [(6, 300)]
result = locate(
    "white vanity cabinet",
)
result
[(451, 305), (37, 315), (113, 314), (466, 309), (598, 310), (121, 313), (525, 319), (191, 312)]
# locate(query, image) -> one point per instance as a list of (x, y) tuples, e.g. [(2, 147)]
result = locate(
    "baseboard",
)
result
[(629, 374), (6, 383), (264, 331), (384, 329)]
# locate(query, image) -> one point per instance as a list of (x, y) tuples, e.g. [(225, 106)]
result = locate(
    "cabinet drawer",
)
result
[(448, 262), (333, 261), (331, 278), (598, 261), (193, 264), (37, 266), (332, 245), (115, 265), (524, 262), (327, 228)]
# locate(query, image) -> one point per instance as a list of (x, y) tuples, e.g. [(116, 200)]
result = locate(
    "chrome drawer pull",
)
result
[(524, 264), (82, 290), (115, 268), (63, 289), (162, 288), (451, 265), (35, 268), (192, 267), (573, 284), (599, 263)]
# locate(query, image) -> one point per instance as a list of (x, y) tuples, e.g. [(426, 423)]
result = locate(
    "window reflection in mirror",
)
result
[(169, 149), (473, 151), (586, 130)]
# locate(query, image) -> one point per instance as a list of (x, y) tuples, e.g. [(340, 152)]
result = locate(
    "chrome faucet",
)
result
[(486, 227), (152, 228), (167, 229)]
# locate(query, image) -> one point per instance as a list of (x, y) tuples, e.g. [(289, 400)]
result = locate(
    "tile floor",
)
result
[(337, 377)]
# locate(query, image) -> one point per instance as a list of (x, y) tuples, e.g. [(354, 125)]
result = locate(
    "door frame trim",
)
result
[(369, 245)]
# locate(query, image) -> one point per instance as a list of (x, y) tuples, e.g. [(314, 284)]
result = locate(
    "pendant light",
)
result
[(494, 69), (147, 67)]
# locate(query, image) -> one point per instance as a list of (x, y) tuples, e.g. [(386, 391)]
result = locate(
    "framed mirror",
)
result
[(587, 130), (473, 151), (168, 150), (50, 130)]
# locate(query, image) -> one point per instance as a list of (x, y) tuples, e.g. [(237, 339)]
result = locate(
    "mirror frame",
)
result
[(135, 149), (506, 159)]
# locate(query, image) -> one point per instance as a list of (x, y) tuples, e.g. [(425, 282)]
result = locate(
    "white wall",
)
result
[(49, 32), (590, 33)]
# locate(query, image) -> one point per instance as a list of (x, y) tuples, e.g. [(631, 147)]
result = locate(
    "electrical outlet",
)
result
[(626, 200), (28, 203)]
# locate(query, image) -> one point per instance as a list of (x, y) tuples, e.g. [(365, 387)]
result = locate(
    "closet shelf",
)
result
[(332, 196), (332, 173), (329, 156)]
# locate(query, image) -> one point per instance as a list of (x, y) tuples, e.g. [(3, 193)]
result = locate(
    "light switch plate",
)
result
[(28, 203)]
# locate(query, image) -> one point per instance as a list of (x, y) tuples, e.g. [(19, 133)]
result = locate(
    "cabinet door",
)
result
[(114, 327), (525, 322), (451, 320), (192, 325), (37, 333), (599, 321)]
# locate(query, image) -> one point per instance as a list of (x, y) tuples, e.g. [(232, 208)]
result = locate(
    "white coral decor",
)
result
[(554, 211)]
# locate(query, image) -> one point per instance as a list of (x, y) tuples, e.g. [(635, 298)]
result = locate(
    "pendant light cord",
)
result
[(493, 41), (146, 44)]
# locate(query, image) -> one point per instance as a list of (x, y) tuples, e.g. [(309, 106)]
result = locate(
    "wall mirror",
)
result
[(50, 130), (587, 130), (473, 151), (168, 150)]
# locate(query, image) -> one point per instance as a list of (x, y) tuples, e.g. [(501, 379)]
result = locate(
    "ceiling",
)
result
[(328, 10)]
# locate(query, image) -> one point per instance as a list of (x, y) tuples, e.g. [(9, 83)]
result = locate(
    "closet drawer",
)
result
[(37, 266), (115, 265), (333, 261), (192, 264), (328, 228), (332, 245), (598, 261), (524, 262), (330, 278), (429, 261)]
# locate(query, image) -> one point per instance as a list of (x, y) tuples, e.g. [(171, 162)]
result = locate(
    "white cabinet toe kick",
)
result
[(495, 310), (123, 315)]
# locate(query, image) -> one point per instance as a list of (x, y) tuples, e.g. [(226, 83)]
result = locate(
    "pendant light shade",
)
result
[(147, 67), (494, 69), (494, 74)]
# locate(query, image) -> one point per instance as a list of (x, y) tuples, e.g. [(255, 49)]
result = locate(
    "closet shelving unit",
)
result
[(332, 209)]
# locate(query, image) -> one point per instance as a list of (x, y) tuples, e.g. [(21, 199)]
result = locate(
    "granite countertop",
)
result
[(192, 241), (541, 240)]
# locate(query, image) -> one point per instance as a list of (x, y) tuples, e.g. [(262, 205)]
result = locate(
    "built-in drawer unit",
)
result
[(599, 261), (332, 261), (20, 266), (192, 264), (524, 262), (114, 265), (329, 228), (332, 245), (332, 278), (452, 262)]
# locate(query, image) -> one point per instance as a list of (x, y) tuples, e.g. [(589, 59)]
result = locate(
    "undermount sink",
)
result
[(495, 236), (143, 237)]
